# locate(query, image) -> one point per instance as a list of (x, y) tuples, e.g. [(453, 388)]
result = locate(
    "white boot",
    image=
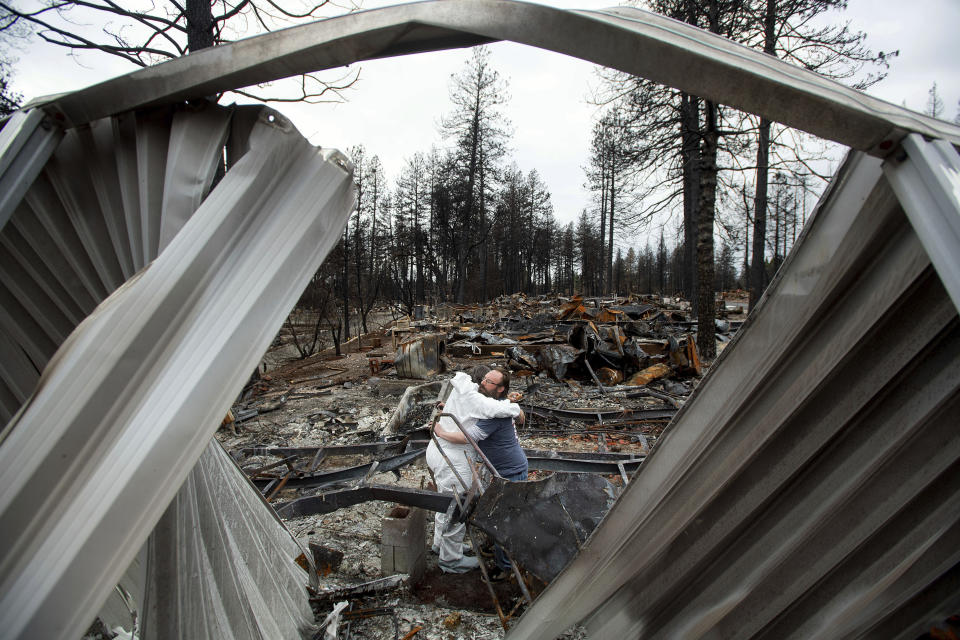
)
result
[(464, 564)]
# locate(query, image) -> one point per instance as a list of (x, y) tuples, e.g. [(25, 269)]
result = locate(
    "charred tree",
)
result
[(477, 128), (786, 29)]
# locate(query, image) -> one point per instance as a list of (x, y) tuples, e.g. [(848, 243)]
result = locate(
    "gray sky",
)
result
[(395, 109)]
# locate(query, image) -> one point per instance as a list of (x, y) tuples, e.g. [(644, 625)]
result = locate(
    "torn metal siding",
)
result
[(219, 530), (809, 488), (92, 217), (926, 178), (127, 404)]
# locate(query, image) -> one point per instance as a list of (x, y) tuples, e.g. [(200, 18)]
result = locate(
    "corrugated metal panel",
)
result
[(130, 399), (214, 529), (624, 38), (809, 488), (197, 137), (93, 217)]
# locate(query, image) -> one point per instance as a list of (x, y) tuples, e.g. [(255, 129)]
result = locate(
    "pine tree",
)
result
[(478, 130), (786, 29)]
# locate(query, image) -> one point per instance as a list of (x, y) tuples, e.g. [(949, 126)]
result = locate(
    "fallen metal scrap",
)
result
[(542, 523), (328, 478), (376, 448), (330, 501), (374, 587), (556, 360)]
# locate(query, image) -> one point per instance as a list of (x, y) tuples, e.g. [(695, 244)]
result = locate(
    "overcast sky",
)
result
[(395, 108)]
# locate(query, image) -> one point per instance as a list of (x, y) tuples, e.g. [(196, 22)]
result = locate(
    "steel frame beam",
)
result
[(926, 179), (627, 39), (332, 500), (565, 465), (27, 141), (602, 417), (328, 478), (565, 462)]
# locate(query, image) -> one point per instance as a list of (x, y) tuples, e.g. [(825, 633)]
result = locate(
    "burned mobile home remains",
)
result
[(808, 488)]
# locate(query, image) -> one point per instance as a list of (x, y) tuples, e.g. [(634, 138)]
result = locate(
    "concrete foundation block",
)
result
[(402, 548)]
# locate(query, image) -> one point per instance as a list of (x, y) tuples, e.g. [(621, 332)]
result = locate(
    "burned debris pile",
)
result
[(336, 444)]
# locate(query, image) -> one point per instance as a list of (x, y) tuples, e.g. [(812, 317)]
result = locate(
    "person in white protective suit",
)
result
[(469, 405)]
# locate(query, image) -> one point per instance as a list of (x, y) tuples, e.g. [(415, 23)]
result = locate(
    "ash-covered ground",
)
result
[(336, 400)]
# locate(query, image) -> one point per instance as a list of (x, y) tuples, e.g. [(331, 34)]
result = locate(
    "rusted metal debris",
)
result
[(604, 342), (325, 559), (302, 476), (543, 524), (421, 357), (381, 585)]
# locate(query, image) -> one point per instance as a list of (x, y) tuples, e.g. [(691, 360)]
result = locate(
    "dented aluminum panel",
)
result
[(130, 399), (809, 487)]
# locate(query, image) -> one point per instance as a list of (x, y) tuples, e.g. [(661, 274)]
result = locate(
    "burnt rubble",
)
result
[(335, 444)]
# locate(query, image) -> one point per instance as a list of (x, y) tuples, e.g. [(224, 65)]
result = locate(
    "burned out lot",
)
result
[(600, 380), (154, 242)]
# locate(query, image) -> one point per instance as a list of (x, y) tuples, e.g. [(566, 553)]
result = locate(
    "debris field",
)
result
[(335, 443)]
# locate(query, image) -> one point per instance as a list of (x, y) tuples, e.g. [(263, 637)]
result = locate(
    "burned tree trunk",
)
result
[(199, 25), (706, 311), (690, 128), (758, 271)]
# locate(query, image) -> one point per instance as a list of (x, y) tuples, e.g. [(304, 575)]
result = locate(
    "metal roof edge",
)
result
[(630, 40)]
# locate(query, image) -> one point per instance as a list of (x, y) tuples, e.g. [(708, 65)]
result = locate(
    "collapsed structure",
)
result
[(807, 489)]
